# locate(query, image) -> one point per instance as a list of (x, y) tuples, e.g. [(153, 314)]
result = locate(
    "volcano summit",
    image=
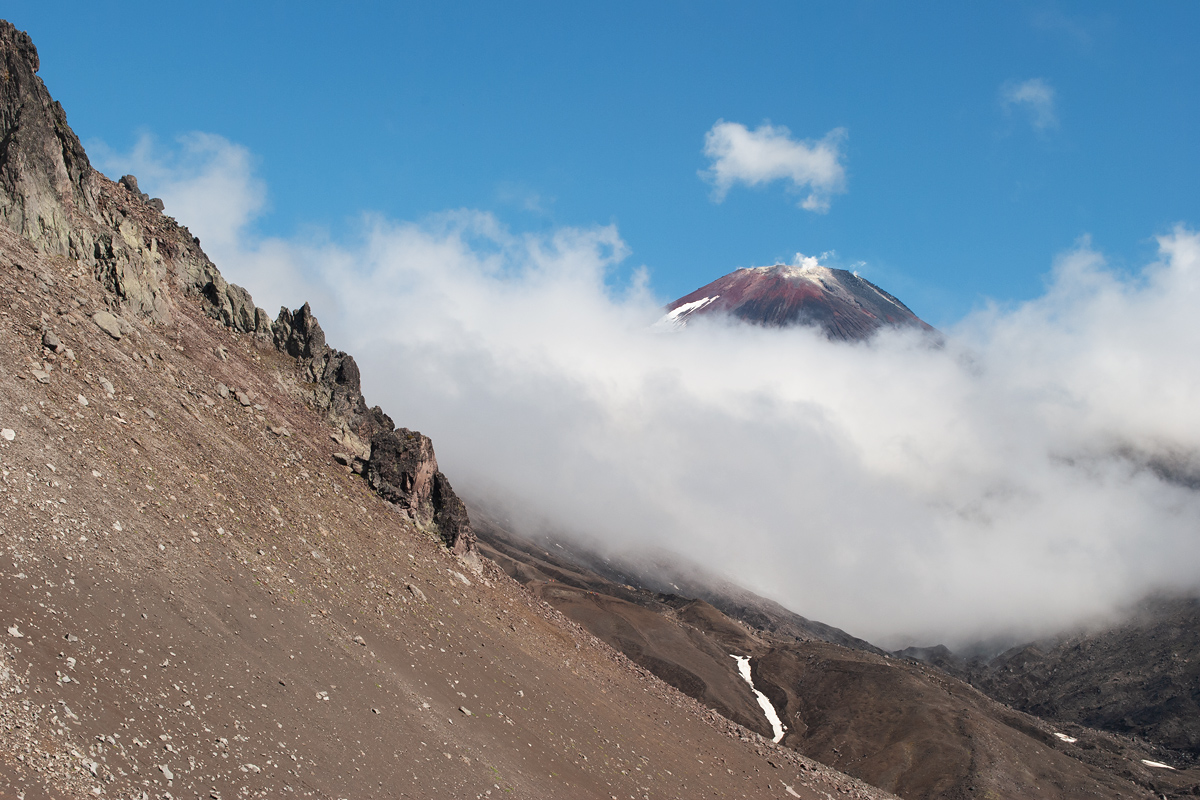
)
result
[(845, 306)]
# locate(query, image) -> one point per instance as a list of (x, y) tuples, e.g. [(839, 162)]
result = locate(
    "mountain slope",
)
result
[(1137, 678), (839, 302), (226, 576)]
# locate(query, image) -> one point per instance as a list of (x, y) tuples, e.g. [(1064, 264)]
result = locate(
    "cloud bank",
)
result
[(769, 153), (1034, 97), (1038, 469)]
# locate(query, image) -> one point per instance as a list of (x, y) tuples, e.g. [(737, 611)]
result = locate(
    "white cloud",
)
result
[(767, 154), (1030, 473), (1035, 97)]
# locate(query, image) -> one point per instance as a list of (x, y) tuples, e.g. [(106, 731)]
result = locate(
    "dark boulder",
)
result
[(403, 470), (341, 391), (450, 517)]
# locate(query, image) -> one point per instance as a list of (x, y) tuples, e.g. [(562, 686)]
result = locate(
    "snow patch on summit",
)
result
[(676, 319)]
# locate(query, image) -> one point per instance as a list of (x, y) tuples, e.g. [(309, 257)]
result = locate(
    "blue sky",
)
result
[(550, 114)]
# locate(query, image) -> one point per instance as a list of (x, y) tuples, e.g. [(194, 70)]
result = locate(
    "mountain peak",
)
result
[(45, 177), (845, 306)]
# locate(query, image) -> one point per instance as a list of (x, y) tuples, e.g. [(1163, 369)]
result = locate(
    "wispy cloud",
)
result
[(769, 153), (1038, 468), (1077, 29), (1035, 98), (523, 197)]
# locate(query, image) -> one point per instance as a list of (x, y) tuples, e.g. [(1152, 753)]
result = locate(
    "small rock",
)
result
[(51, 342), (8, 434), (415, 592), (42, 377), (220, 352), (15, 632), (360, 640), (342, 459), (166, 771), (70, 637), (107, 323), (278, 431), (222, 391), (69, 354), (148, 413), (108, 388), (243, 398), (466, 711)]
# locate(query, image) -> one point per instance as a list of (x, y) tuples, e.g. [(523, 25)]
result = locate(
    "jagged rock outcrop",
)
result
[(403, 469), (450, 516), (45, 176), (299, 334), (399, 464), (130, 183), (51, 195)]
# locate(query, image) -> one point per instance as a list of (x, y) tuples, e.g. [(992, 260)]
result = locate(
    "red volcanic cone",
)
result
[(838, 301)]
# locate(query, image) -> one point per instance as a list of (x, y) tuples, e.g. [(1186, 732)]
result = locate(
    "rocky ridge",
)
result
[(1137, 678), (55, 199)]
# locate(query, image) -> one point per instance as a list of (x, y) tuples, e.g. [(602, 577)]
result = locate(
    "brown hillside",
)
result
[(900, 725)]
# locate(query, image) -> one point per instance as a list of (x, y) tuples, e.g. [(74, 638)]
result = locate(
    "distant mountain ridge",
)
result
[(845, 306), (904, 726), (1140, 677)]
